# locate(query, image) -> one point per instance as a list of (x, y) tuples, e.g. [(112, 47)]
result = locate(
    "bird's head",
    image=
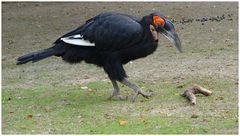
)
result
[(165, 27)]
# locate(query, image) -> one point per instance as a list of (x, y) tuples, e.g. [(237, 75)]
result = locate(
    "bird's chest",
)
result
[(148, 49), (136, 52)]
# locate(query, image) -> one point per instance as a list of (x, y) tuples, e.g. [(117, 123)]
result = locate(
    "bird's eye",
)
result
[(158, 21)]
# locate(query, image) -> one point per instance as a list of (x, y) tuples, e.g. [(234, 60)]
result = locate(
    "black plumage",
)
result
[(117, 38)]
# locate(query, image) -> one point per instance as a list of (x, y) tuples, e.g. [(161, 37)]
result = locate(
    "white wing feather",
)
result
[(77, 40)]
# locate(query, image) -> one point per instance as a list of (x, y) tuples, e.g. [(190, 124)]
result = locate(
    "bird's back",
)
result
[(110, 31)]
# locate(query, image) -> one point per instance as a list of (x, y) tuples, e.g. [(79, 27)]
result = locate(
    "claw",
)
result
[(136, 89), (144, 94)]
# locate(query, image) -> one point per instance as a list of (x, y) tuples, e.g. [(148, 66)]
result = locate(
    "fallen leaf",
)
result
[(84, 87), (194, 116), (29, 116), (123, 122)]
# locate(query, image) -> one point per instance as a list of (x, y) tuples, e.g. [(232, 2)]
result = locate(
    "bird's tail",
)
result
[(36, 56)]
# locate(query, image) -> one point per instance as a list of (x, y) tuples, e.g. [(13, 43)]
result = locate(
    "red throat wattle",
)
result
[(158, 21)]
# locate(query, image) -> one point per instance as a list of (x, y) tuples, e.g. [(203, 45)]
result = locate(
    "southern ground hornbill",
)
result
[(110, 40)]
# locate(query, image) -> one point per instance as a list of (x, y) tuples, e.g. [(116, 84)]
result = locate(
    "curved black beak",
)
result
[(172, 36)]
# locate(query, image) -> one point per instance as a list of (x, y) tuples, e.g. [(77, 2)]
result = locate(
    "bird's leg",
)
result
[(116, 92), (137, 89)]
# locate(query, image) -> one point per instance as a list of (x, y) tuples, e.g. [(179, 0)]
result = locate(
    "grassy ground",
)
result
[(50, 97), (70, 109)]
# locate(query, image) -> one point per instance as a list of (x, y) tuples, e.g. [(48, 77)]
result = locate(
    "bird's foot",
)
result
[(118, 97), (144, 94)]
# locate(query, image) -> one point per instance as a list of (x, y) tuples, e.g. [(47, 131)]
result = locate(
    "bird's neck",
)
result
[(147, 46), (147, 34)]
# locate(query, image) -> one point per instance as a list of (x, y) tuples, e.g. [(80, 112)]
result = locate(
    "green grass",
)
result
[(72, 110)]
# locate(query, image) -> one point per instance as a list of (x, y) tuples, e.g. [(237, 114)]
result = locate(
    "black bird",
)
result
[(110, 40)]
